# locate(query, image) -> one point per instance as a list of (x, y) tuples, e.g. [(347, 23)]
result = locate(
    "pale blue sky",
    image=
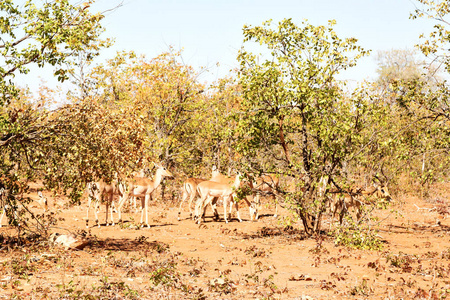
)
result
[(210, 31)]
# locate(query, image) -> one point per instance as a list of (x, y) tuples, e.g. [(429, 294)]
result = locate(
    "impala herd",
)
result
[(203, 192)]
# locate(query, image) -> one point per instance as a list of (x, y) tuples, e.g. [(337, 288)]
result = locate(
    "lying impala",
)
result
[(143, 188), (210, 191), (355, 197)]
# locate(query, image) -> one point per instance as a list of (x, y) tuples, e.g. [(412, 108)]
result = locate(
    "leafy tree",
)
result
[(217, 134), (165, 93), (398, 65), (37, 33), (401, 74), (294, 112), (421, 112), (46, 33), (436, 45)]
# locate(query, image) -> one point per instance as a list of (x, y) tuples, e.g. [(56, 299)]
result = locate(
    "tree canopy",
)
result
[(283, 111)]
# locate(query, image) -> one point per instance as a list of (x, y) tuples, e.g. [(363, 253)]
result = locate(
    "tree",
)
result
[(44, 33), (217, 134), (294, 112), (398, 65), (422, 101), (165, 92), (436, 46), (50, 33)]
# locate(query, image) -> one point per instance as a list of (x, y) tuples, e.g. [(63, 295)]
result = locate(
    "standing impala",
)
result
[(140, 174), (266, 185), (355, 197), (3, 196), (210, 191), (101, 190), (189, 188), (143, 187)]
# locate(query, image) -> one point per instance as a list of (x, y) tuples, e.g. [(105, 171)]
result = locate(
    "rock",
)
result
[(5, 278), (217, 281), (428, 278), (365, 278)]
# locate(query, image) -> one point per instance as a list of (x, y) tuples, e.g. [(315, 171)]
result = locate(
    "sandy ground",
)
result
[(249, 260)]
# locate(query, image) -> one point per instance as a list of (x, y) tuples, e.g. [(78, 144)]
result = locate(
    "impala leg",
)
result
[(111, 202), (1, 218), (343, 208), (276, 208), (252, 211), (119, 206), (214, 208), (92, 200), (147, 200), (211, 200), (142, 210), (237, 209), (231, 208), (96, 206), (225, 210), (184, 197), (197, 210), (87, 216), (107, 206), (191, 199), (200, 206), (113, 207), (133, 199), (257, 205)]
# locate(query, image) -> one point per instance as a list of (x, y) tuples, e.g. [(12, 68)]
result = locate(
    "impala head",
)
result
[(163, 171), (383, 193), (214, 172), (255, 206)]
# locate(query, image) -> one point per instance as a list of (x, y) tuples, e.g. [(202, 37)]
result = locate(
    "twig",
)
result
[(429, 209)]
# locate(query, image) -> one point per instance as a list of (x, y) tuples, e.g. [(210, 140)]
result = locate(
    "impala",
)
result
[(266, 185), (143, 188), (210, 191), (139, 174), (189, 189), (99, 191), (355, 197), (43, 202), (216, 176), (3, 196)]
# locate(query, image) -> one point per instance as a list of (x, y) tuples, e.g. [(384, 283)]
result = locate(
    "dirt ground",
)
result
[(249, 260)]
